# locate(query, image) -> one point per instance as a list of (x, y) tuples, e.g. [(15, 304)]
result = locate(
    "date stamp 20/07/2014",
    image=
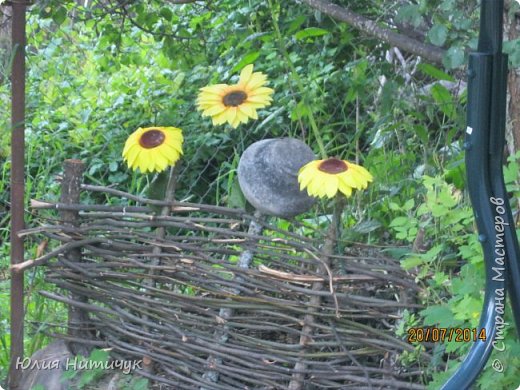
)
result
[(436, 335)]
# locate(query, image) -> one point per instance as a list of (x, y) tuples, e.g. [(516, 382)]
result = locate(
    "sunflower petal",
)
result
[(345, 189), (315, 187), (132, 155), (349, 179), (261, 91), (214, 109), (209, 99), (257, 80), (306, 174), (231, 114), (331, 185), (260, 99), (160, 162), (220, 118), (245, 74), (247, 110), (362, 172), (217, 89)]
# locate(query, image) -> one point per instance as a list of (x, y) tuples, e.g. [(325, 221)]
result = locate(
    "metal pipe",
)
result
[(17, 187)]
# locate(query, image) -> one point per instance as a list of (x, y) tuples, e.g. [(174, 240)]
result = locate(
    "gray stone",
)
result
[(268, 176), (46, 367)]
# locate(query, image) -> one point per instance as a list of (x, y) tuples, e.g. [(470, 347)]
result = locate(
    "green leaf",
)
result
[(438, 34), (422, 133), (512, 48), (166, 13), (236, 198), (409, 205), (59, 15), (87, 377), (394, 206), (468, 309), (301, 110), (469, 282), (434, 72), (99, 355), (399, 221), (140, 384), (367, 226), (411, 262), (444, 99), (310, 32), (457, 176), (410, 14), (454, 57), (433, 252), (249, 58), (438, 315), (397, 253), (296, 24)]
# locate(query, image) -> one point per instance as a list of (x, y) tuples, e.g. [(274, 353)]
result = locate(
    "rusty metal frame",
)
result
[(17, 186)]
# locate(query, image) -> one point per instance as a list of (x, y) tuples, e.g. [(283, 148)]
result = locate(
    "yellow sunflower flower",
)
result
[(325, 177), (153, 148), (236, 103)]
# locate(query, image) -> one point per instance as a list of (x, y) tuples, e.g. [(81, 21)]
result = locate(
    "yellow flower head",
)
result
[(236, 103), (153, 148), (325, 177)]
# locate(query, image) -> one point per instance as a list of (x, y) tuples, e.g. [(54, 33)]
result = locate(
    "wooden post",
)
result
[(70, 194), (221, 334), (299, 373)]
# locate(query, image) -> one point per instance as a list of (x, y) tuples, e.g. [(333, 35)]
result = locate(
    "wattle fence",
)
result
[(215, 298)]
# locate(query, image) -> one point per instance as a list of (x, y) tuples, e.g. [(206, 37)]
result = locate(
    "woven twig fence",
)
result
[(182, 302)]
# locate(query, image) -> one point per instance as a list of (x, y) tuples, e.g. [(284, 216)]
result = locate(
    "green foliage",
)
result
[(96, 372), (448, 23), (452, 271), (84, 378)]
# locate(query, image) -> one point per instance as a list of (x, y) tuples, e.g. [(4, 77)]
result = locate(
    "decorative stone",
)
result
[(268, 176), (46, 367)]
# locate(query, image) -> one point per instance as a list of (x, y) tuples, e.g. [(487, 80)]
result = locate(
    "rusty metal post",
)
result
[(70, 194), (17, 187)]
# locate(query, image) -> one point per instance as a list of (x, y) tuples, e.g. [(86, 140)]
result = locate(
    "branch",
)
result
[(427, 51), (181, 1)]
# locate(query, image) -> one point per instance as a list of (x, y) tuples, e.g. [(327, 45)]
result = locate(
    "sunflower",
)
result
[(236, 103), (325, 177), (153, 148)]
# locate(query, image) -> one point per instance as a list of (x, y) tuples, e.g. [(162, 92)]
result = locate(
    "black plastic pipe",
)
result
[(484, 144), (479, 188)]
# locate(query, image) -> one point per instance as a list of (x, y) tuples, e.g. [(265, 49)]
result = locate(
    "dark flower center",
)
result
[(151, 138), (333, 166), (235, 98)]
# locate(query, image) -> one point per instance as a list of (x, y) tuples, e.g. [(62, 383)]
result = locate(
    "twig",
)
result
[(45, 258), (308, 278)]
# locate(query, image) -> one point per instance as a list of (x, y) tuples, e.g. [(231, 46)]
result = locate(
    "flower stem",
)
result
[(299, 83)]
